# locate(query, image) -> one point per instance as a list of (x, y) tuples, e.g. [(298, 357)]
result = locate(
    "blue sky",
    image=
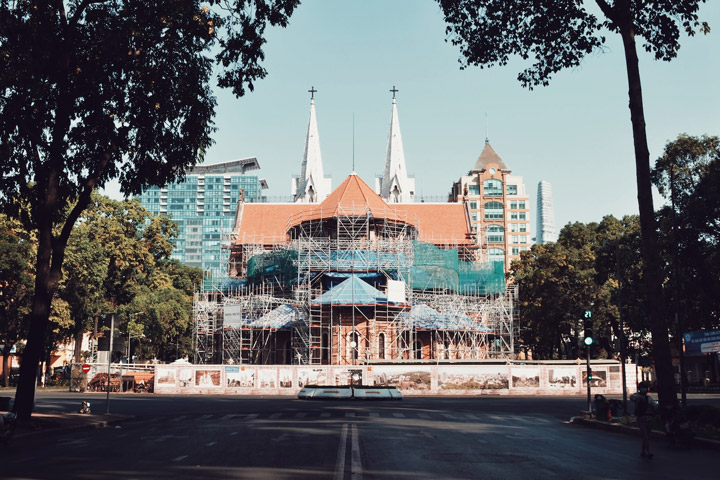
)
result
[(576, 133)]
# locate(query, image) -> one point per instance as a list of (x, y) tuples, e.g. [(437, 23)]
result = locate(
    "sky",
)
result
[(575, 133)]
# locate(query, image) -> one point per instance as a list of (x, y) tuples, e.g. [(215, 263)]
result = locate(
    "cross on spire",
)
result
[(312, 93), (394, 91)]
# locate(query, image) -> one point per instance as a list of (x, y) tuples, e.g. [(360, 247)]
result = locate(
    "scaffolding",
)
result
[(355, 286)]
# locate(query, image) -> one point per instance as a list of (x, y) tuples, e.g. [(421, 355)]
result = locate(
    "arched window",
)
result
[(353, 345), (494, 211), (493, 188), (496, 255), (381, 346), (418, 349), (495, 234)]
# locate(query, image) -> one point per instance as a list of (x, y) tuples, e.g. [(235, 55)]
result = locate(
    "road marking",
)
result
[(398, 415), (252, 416), (204, 417), (275, 415), (472, 417), (177, 419), (340, 462), (375, 414), (349, 414), (229, 416), (450, 416), (300, 415), (180, 458), (233, 433), (355, 461), (423, 415), (210, 444), (325, 415)]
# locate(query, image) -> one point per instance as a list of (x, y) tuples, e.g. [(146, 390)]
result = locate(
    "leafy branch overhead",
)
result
[(558, 34)]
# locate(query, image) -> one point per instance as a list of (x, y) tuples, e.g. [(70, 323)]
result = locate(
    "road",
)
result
[(285, 438)]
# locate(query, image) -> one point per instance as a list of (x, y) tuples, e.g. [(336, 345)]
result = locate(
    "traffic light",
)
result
[(589, 337)]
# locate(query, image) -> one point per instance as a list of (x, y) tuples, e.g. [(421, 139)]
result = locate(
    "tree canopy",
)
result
[(97, 90), (556, 35)]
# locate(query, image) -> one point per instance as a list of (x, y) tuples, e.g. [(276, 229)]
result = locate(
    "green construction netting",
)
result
[(432, 268), (273, 264)]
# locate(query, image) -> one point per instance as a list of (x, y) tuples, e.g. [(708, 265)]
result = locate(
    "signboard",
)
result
[(702, 342), (232, 315), (85, 368)]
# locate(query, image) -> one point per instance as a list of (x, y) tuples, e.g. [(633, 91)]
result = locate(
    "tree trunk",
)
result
[(77, 351), (650, 254)]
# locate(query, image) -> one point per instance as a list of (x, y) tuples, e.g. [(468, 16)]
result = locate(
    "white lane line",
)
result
[(472, 417), (204, 417), (228, 416), (398, 415), (234, 433), (325, 415), (355, 461), (340, 462), (375, 414), (423, 415), (180, 458), (177, 419), (210, 444), (252, 416), (275, 415), (300, 415), (349, 414)]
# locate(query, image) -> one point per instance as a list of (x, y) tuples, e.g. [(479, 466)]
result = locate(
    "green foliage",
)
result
[(559, 34)]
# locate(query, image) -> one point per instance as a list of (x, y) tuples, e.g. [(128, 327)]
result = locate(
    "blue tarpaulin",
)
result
[(352, 291)]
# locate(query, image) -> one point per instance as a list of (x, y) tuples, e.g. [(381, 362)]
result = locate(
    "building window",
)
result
[(522, 216), (513, 205), (418, 350), (514, 227), (523, 227), (381, 346), (512, 190), (521, 205), (473, 205), (495, 234), (493, 211), (496, 255), (513, 216), (492, 188), (353, 345), (473, 190), (515, 251)]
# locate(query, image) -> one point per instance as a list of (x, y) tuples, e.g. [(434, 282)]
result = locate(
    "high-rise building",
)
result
[(545, 214), (203, 205), (498, 207)]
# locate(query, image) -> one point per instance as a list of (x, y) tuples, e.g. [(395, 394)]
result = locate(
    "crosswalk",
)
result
[(359, 415)]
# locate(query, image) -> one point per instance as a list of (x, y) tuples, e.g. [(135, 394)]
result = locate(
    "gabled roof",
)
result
[(264, 223), (352, 291), (439, 223), (487, 157)]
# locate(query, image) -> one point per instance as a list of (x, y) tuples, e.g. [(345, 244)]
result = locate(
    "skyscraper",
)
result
[(497, 205), (203, 205), (545, 214)]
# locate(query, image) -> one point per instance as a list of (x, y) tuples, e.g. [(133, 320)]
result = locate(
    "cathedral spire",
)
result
[(395, 186), (311, 186)]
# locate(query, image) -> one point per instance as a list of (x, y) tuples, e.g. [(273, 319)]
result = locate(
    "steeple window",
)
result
[(493, 188)]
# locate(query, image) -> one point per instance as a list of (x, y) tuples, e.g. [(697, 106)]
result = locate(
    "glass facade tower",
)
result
[(203, 205)]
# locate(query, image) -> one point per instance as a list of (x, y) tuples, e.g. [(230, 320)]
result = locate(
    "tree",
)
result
[(558, 35), (93, 90), (16, 280)]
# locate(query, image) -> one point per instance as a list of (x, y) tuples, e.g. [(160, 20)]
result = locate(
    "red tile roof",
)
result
[(268, 223)]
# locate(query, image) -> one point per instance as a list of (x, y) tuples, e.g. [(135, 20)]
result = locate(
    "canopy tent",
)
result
[(353, 291)]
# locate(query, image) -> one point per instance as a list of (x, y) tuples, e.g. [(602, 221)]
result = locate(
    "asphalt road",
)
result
[(285, 438)]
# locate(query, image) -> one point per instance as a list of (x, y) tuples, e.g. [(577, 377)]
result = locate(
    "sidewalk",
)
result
[(631, 430), (43, 423)]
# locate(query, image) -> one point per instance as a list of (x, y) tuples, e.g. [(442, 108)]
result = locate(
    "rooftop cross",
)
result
[(394, 91), (312, 93)]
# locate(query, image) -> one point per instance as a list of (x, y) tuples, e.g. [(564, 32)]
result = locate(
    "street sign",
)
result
[(85, 368)]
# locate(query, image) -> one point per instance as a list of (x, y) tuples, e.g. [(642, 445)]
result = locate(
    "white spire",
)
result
[(312, 186), (395, 185)]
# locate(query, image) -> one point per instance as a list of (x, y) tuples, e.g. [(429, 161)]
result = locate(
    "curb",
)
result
[(67, 422), (628, 430)]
